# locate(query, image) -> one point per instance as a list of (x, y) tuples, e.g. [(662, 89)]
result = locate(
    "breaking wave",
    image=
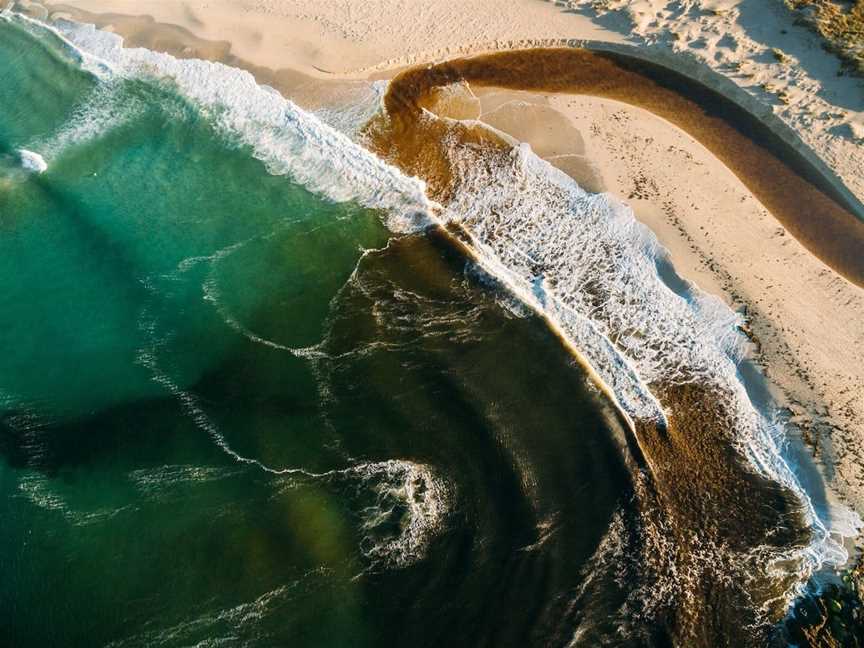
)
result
[(103, 110), (585, 263), (355, 107), (580, 259), (286, 138), (32, 162)]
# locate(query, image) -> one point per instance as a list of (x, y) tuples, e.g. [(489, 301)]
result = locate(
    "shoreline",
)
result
[(690, 454), (766, 62), (814, 405), (307, 83), (790, 188), (718, 245)]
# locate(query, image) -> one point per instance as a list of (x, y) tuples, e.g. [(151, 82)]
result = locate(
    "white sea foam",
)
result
[(415, 487), (154, 481), (102, 110), (32, 162), (356, 106), (289, 140), (226, 626), (591, 268), (580, 259), (409, 496), (38, 28), (40, 491)]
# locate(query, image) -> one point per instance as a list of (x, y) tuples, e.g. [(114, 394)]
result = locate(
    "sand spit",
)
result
[(756, 45), (720, 238), (805, 320), (771, 170)]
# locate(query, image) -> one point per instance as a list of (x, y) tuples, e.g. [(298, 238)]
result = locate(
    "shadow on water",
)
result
[(147, 429), (422, 364), (513, 425)]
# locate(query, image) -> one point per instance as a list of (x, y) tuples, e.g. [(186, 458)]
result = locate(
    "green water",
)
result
[(179, 328), (236, 413)]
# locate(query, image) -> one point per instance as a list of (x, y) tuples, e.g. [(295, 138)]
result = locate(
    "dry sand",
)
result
[(807, 320)]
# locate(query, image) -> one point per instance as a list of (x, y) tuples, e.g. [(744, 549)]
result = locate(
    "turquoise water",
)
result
[(232, 410), (245, 401), (101, 238)]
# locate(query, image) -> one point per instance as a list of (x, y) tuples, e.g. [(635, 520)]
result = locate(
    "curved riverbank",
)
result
[(736, 250), (802, 198), (669, 457)]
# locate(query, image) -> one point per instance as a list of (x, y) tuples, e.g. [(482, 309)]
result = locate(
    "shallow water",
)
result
[(232, 411), (248, 397)]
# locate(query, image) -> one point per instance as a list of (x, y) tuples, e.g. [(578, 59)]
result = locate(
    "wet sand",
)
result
[(757, 164), (797, 195)]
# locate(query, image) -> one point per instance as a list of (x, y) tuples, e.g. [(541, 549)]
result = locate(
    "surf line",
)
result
[(412, 138), (703, 459)]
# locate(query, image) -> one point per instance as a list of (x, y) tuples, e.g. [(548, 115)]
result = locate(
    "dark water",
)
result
[(222, 421), (129, 523), (235, 412)]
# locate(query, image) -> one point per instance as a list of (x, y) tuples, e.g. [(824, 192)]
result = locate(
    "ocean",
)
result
[(255, 391)]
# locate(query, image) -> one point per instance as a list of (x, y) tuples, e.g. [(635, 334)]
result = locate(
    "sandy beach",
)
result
[(545, 317), (806, 321), (723, 240)]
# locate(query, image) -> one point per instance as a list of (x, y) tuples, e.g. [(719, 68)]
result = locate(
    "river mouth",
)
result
[(736, 527), (792, 189), (248, 398)]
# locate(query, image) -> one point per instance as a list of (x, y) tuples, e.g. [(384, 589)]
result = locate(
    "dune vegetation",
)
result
[(840, 23)]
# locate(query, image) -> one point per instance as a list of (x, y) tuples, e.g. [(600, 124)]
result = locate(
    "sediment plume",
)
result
[(733, 536)]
